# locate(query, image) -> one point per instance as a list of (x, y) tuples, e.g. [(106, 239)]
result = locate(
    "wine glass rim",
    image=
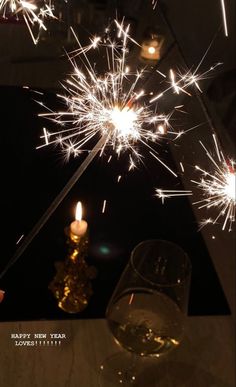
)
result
[(177, 283)]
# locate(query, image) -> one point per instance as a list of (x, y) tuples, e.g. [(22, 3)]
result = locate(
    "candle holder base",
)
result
[(72, 285)]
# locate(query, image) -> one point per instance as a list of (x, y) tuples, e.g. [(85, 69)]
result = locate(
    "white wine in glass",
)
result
[(146, 322), (147, 311)]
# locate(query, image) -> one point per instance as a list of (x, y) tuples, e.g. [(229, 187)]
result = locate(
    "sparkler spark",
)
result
[(181, 166), (224, 17), (154, 3), (20, 238), (179, 82), (104, 206), (218, 187), (165, 193), (111, 104), (33, 12)]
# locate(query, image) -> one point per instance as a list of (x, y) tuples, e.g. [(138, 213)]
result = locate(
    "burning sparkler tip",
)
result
[(218, 188)]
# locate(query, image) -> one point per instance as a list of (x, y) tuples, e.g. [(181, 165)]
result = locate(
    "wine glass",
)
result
[(146, 313)]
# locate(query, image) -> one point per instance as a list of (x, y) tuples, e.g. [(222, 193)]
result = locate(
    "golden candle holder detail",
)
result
[(71, 285)]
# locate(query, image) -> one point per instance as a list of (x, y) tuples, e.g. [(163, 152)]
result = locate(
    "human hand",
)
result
[(2, 293)]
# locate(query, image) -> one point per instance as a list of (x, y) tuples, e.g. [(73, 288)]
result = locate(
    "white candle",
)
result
[(79, 227)]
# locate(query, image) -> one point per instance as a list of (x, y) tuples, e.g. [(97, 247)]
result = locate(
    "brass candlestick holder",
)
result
[(72, 283)]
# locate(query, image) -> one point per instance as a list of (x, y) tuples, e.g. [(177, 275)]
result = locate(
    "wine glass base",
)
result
[(119, 369), (128, 369)]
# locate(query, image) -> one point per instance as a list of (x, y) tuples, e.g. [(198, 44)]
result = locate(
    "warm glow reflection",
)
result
[(78, 212)]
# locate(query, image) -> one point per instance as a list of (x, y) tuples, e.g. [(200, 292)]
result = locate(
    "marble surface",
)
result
[(204, 359)]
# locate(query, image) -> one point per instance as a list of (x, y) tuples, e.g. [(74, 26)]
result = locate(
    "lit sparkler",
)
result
[(111, 105), (33, 12), (108, 105), (218, 187)]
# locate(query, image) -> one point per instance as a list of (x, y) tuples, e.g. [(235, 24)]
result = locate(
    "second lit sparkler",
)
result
[(218, 187)]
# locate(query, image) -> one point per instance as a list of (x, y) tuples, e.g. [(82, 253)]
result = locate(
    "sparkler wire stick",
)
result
[(53, 206)]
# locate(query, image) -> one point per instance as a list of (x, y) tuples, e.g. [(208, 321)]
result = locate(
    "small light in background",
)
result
[(106, 251), (151, 50), (151, 45)]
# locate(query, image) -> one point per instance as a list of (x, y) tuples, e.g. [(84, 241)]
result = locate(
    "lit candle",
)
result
[(79, 227)]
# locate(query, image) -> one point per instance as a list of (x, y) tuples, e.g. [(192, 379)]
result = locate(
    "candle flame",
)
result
[(78, 212)]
